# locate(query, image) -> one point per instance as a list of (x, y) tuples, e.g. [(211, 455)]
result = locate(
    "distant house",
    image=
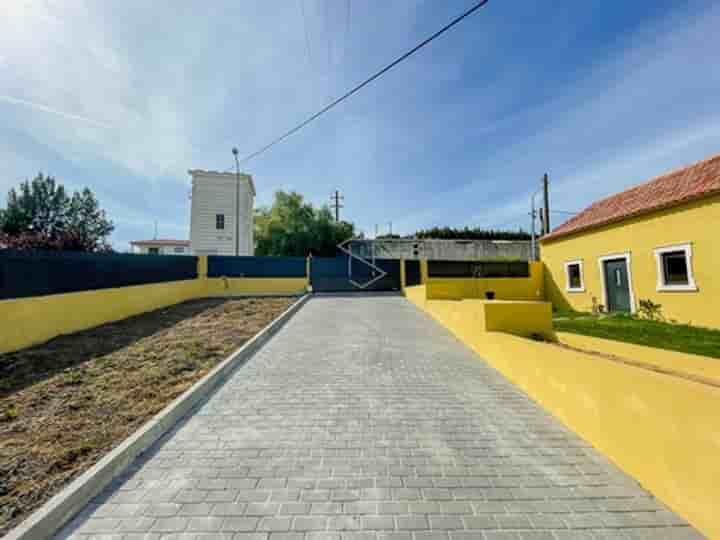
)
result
[(221, 216), (161, 247), (659, 241)]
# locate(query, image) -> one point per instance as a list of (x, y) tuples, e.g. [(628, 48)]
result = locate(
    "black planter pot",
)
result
[(490, 295)]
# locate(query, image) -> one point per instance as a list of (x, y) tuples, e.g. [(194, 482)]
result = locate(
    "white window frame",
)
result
[(568, 287), (661, 285), (603, 278)]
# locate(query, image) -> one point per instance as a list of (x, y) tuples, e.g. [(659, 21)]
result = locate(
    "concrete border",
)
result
[(55, 513)]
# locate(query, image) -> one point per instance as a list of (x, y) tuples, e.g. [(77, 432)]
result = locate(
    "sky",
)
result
[(126, 96)]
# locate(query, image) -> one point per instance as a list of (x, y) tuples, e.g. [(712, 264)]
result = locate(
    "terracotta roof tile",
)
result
[(682, 185)]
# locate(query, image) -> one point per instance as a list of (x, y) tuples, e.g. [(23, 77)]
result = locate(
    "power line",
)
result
[(563, 212), (367, 81), (347, 28), (307, 36)]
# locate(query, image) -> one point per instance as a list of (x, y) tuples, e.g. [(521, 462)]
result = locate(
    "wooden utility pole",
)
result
[(546, 207), (336, 204)]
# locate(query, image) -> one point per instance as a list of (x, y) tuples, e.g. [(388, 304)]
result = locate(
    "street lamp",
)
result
[(237, 202)]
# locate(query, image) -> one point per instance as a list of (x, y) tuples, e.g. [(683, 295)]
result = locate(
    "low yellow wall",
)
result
[(255, 286), (691, 364), (416, 294), (531, 288), (662, 430), (28, 321), (471, 317)]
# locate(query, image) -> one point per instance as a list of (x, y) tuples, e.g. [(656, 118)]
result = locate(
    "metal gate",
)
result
[(346, 273)]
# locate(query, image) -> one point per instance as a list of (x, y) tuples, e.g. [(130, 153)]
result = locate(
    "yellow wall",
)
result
[(662, 430), (531, 288), (690, 364), (697, 223), (471, 317), (417, 295), (27, 321)]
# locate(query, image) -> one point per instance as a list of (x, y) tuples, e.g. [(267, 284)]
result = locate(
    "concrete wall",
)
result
[(451, 250), (696, 223), (29, 321)]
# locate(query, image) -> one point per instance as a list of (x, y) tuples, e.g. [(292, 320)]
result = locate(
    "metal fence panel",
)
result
[(36, 273), (260, 267), (330, 274), (412, 273), (481, 269)]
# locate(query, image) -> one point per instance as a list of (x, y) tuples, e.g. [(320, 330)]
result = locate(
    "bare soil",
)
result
[(64, 404)]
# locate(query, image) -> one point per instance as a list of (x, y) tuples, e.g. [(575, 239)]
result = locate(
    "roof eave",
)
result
[(551, 237)]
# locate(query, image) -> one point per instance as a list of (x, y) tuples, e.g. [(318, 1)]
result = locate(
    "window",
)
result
[(219, 221), (153, 251), (179, 250), (674, 268), (574, 276)]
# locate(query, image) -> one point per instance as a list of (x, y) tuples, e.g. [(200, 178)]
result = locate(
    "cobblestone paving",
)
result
[(363, 419)]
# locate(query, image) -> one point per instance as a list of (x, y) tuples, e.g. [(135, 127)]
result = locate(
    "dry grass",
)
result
[(66, 403)]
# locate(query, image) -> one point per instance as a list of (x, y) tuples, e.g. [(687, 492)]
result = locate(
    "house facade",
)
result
[(160, 247), (658, 241), (221, 215)]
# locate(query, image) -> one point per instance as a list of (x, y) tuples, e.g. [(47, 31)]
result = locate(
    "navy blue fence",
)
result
[(483, 269), (267, 267), (24, 273), (412, 273), (331, 274)]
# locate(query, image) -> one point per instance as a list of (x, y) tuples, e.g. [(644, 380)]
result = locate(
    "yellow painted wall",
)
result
[(697, 223), (28, 321), (531, 288), (417, 295), (692, 364), (255, 286), (662, 430), (471, 317)]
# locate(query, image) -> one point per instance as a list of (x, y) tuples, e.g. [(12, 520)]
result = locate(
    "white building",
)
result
[(160, 247), (221, 215)]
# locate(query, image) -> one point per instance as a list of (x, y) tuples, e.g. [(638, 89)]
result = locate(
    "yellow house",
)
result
[(657, 241)]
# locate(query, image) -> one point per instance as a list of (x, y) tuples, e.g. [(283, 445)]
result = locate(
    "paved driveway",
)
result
[(364, 419)]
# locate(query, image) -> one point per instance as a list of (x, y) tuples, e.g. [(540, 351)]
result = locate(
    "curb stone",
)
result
[(58, 511)]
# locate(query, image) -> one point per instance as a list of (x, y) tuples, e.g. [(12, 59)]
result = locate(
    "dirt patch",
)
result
[(67, 402)]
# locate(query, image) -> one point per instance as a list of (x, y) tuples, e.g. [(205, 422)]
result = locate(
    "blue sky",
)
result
[(125, 97)]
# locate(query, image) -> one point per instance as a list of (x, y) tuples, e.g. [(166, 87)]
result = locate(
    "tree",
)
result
[(292, 227), (450, 233), (40, 215)]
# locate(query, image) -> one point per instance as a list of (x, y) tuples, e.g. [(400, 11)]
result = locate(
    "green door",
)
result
[(616, 285)]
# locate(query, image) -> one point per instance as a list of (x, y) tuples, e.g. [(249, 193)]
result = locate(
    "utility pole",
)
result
[(336, 204), (390, 227), (237, 202), (546, 209)]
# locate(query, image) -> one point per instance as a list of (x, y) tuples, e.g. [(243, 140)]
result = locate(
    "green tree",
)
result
[(41, 215), (292, 227), (477, 233)]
